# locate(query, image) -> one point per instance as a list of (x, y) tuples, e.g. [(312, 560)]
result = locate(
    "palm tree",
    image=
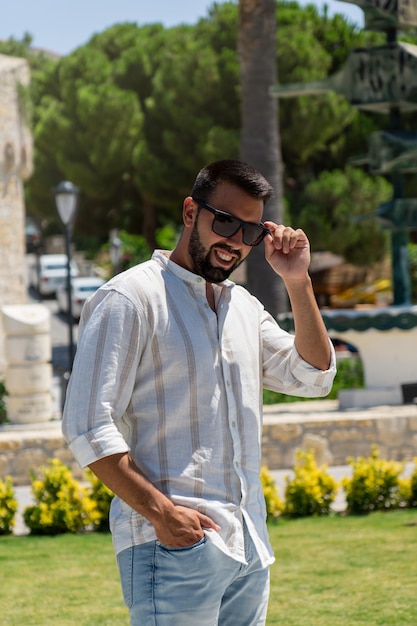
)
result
[(260, 141)]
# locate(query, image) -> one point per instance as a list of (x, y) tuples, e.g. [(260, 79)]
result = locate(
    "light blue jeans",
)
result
[(194, 585)]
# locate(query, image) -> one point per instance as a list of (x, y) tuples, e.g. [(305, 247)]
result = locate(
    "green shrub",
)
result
[(349, 375), (61, 503), (274, 506), (8, 506), (374, 485), (311, 491), (101, 497), (135, 249)]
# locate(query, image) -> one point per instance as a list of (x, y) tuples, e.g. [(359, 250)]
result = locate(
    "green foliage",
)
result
[(166, 237), (374, 485), (273, 502), (85, 130), (102, 497), (3, 393), (333, 206), (135, 249), (311, 491), (8, 506), (349, 376), (14, 47), (61, 503), (274, 397), (131, 116), (317, 130)]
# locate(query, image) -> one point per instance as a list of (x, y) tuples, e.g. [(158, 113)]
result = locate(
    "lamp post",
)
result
[(116, 247), (66, 200)]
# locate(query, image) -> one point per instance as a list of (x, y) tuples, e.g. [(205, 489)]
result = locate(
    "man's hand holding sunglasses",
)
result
[(287, 251)]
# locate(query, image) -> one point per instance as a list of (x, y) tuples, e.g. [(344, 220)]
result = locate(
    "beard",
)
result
[(201, 259)]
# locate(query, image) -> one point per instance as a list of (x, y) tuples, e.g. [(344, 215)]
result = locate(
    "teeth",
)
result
[(224, 256)]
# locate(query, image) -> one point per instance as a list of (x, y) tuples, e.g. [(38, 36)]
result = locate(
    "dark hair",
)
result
[(235, 172)]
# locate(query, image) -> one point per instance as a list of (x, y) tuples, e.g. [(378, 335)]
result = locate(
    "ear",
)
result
[(189, 212)]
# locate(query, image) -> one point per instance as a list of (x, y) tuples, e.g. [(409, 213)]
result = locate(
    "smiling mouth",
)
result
[(223, 257)]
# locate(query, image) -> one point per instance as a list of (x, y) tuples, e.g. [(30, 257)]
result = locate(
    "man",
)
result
[(165, 404)]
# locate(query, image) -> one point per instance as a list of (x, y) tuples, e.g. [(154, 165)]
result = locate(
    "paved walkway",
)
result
[(24, 498)]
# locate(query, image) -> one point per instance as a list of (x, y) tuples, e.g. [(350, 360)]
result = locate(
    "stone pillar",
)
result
[(29, 371), (15, 167)]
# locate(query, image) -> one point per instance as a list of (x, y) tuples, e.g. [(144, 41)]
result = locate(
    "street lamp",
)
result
[(66, 200), (116, 248)]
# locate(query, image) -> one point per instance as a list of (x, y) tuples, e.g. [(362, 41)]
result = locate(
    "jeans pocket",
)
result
[(193, 546), (125, 563)]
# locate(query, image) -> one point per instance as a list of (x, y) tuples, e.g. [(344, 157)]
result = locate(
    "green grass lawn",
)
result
[(330, 571), (345, 571)]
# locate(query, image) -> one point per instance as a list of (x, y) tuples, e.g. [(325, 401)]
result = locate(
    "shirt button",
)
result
[(199, 279), (237, 463), (228, 383), (234, 424)]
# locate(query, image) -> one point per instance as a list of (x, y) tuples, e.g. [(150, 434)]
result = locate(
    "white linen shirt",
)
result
[(158, 373)]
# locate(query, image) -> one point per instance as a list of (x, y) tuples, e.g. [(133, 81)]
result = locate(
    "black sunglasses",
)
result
[(227, 225)]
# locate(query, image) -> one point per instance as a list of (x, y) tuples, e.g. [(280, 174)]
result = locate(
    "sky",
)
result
[(61, 26)]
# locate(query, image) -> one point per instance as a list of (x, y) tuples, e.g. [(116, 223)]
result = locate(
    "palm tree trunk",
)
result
[(260, 141)]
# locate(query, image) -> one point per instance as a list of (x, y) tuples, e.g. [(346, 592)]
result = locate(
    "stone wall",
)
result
[(334, 435), (24, 449), (15, 167)]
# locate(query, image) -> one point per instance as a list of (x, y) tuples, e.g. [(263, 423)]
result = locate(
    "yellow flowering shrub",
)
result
[(375, 484), (273, 503), (61, 503), (404, 492), (102, 497), (8, 506), (311, 491)]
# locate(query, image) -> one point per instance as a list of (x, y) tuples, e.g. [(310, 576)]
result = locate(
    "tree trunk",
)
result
[(149, 222), (260, 141)]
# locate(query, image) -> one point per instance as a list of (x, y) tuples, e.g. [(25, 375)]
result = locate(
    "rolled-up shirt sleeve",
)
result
[(317, 383), (97, 443), (103, 377), (285, 371)]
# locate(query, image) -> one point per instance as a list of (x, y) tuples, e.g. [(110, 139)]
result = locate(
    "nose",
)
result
[(237, 238)]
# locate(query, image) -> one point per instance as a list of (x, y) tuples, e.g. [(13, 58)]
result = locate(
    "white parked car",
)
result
[(82, 288), (49, 272)]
